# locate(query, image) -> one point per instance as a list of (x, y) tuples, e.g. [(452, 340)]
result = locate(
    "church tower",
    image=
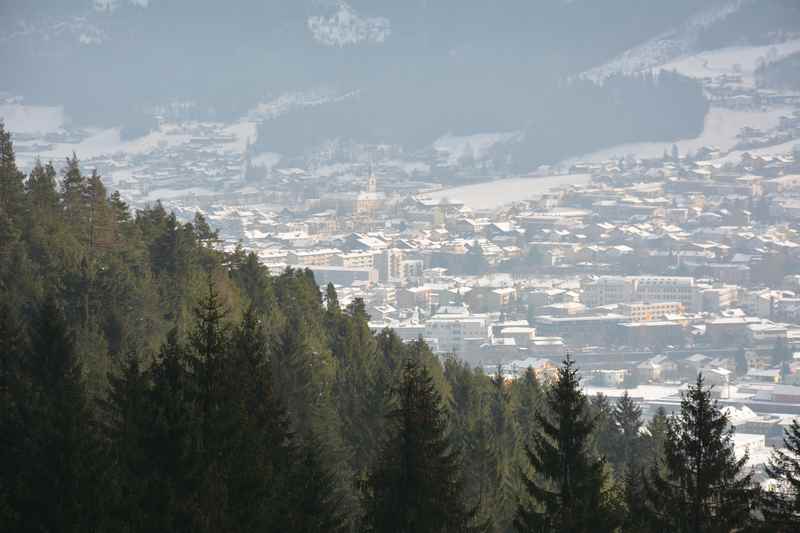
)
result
[(372, 183)]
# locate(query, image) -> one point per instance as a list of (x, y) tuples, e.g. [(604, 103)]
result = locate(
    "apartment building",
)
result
[(456, 333), (606, 290), (355, 260), (313, 257), (644, 311)]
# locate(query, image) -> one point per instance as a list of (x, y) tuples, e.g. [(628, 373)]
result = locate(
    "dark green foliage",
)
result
[(655, 436), (486, 432), (782, 504), (701, 486), (12, 348), (605, 430), (416, 485), (568, 490), (527, 399), (51, 459), (627, 420), (628, 459), (331, 299), (12, 189)]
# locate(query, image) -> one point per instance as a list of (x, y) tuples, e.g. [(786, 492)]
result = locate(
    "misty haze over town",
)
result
[(419, 266)]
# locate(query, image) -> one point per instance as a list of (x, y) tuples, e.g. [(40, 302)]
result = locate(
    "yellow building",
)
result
[(370, 201)]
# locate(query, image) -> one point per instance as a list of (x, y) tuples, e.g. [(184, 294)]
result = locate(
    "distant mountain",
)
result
[(114, 56), (400, 71)]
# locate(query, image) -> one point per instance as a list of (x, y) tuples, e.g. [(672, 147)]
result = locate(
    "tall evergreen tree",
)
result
[(262, 454), (782, 505), (568, 491), (73, 196), (12, 351), (256, 283), (331, 299), (416, 484), (526, 399), (655, 436), (126, 413), (701, 486), (41, 187), (12, 189), (627, 418), (55, 483), (503, 433), (481, 421), (172, 441), (606, 433), (100, 218)]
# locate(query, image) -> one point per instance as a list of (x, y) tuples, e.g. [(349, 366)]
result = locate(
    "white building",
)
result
[(456, 333), (643, 311), (606, 290)]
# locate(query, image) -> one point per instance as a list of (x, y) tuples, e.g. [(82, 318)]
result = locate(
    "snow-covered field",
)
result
[(107, 142), (734, 60), (667, 46), (493, 194), (31, 119), (720, 130)]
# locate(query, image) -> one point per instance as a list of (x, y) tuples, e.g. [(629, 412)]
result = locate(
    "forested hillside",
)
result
[(311, 72), (150, 382)]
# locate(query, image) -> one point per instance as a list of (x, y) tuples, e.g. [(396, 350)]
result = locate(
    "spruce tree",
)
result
[(12, 352), (782, 504), (126, 413), (503, 433), (480, 419), (56, 483), (655, 436), (627, 417), (606, 433), (315, 505), (526, 398), (256, 283), (100, 218), (12, 190), (701, 486), (416, 486), (358, 389), (568, 491), (172, 442), (331, 299), (73, 197)]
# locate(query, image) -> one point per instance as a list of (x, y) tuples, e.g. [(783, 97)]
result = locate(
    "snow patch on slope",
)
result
[(720, 130), (346, 27), (454, 147), (733, 60), (296, 100), (667, 46), (31, 119), (49, 30), (111, 5)]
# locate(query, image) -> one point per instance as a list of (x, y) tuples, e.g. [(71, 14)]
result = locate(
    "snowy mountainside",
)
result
[(667, 46)]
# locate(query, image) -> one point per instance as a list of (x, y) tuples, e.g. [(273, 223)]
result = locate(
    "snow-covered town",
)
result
[(647, 262), (509, 237)]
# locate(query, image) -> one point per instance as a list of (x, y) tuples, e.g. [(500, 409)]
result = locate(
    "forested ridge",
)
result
[(150, 382)]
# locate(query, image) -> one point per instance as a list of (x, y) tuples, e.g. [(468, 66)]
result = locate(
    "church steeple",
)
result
[(372, 183)]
